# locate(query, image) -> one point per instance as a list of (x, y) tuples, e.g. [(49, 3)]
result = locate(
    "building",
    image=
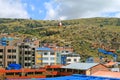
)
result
[(67, 58), (8, 54), (83, 68), (45, 56), (26, 54)]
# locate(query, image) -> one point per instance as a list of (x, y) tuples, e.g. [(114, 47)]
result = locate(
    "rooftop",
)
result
[(44, 49), (82, 66), (75, 77)]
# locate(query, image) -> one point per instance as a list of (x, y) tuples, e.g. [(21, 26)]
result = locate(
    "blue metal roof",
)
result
[(82, 66), (44, 49), (74, 77)]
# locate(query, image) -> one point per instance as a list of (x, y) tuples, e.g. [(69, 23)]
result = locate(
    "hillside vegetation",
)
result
[(80, 34)]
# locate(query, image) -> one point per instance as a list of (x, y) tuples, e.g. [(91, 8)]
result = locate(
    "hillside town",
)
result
[(23, 57)]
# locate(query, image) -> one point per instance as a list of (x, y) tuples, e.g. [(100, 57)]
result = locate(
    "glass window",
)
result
[(40, 53), (45, 58), (68, 59), (45, 53), (39, 58), (52, 53), (52, 58), (75, 60)]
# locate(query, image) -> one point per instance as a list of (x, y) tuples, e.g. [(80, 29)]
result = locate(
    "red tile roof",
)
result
[(107, 74)]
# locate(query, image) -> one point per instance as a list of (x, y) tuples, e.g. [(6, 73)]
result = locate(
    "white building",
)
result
[(48, 58), (72, 58), (68, 58), (45, 56)]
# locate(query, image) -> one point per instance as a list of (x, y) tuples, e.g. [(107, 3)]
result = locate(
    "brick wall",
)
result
[(98, 67)]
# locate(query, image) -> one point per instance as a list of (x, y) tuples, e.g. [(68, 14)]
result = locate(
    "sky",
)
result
[(59, 9)]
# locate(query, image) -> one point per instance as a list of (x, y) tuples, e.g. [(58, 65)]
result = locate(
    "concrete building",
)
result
[(26, 54), (8, 54), (72, 58), (45, 56)]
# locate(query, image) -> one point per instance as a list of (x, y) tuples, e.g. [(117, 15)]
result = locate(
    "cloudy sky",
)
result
[(59, 9)]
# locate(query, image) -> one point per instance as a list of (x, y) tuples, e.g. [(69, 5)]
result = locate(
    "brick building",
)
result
[(8, 54)]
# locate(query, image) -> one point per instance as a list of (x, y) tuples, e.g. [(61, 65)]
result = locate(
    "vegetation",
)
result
[(80, 34)]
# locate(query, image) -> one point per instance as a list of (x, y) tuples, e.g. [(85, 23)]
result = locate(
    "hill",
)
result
[(84, 35)]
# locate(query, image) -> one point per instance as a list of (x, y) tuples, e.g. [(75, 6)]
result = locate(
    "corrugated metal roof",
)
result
[(44, 49), (82, 66)]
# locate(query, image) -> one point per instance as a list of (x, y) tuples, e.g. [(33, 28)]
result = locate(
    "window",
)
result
[(33, 54), (52, 58), (20, 52), (9, 50), (26, 46), (52, 54), (68, 59), (1, 50), (9, 56), (27, 58), (14, 56), (40, 53), (45, 53), (67, 51), (45, 58), (26, 52), (75, 60), (33, 48), (0, 63), (27, 64), (1, 56), (33, 60), (39, 58), (14, 50)]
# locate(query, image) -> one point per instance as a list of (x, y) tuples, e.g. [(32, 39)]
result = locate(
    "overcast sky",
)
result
[(59, 9)]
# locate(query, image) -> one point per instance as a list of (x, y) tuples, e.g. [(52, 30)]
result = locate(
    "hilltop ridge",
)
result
[(84, 35)]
